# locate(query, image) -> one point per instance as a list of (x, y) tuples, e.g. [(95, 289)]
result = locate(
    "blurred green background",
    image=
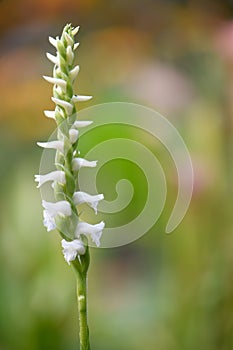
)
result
[(165, 292)]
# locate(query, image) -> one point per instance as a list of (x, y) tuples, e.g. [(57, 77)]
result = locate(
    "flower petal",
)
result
[(48, 221)]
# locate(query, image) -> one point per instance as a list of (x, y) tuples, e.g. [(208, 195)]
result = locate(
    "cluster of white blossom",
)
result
[(63, 212)]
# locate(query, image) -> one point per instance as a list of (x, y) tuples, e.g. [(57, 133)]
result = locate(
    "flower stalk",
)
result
[(63, 213)]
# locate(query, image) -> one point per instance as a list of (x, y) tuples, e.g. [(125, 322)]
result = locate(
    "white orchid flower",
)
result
[(50, 114), (56, 81), (80, 98), (81, 123), (78, 163), (66, 105), (56, 175), (56, 144), (51, 210), (72, 249), (94, 232), (83, 197)]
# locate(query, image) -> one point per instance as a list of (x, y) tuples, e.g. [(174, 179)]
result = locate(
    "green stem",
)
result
[(82, 310), (81, 266)]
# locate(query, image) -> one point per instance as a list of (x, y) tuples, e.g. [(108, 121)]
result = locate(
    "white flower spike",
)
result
[(92, 231), (83, 197), (56, 175), (78, 163), (72, 249), (62, 214)]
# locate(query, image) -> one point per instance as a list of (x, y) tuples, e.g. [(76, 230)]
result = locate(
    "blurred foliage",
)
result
[(160, 292)]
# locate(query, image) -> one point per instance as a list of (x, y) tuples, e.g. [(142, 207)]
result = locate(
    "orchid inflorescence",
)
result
[(63, 213)]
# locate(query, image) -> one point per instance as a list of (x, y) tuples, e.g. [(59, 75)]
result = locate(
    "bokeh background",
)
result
[(165, 292)]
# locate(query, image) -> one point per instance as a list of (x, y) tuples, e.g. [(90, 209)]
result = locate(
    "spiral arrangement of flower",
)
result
[(63, 213)]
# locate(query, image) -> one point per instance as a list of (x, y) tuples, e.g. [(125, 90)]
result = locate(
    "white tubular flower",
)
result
[(72, 249), (83, 197), (92, 231), (73, 135), (53, 41), (76, 46), (75, 30), (62, 208), (81, 123), (60, 82), (56, 175), (66, 105), (52, 58), (80, 98), (50, 114), (78, 163), (74, 72), (58, 145)]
